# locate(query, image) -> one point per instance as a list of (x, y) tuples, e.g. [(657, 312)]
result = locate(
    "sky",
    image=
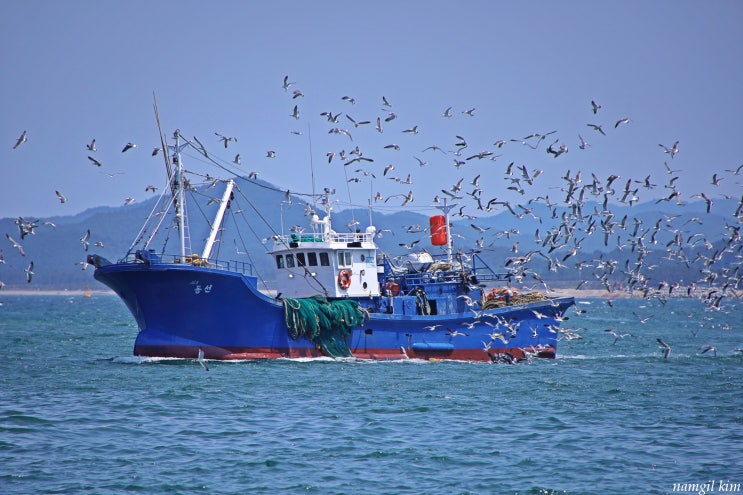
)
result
[(84, 70)]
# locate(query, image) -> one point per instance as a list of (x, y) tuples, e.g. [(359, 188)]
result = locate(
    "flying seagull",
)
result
[(128, 146), (665, 347), (29, 272), (201, 361), (21, 139)]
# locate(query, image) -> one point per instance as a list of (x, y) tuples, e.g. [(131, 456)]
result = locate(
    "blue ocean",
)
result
[(611, 415)]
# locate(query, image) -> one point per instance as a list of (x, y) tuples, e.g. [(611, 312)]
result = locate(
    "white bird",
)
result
[(286, 85), (665, 347), (91, 146), (621, 121), (710, 348), (85, 240), (672, 150), (95, 162), (225, 140), (201, 361), (16, 245), (29, 272), (454, 333), (21, 139), (61, 197), (128, 146)]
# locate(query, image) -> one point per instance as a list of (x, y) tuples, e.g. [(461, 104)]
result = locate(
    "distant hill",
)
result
[(58, 253)]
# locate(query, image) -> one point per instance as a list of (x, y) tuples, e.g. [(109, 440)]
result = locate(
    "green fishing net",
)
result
[(325, 323)]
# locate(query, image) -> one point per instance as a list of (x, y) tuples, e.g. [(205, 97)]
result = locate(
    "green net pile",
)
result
[(325, 323), (525, 298)]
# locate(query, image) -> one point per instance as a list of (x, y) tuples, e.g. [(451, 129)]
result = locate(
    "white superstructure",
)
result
[(322, 261)]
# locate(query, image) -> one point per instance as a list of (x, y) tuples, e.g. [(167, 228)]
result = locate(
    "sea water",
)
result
[(80, 414)]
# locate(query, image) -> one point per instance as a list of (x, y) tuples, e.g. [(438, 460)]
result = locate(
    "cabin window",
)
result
[(324, 260), (290, 261), (300, 259), (344, 258), (279, 261), (312, 259)]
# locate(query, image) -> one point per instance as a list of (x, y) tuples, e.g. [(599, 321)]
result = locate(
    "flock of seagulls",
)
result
[(582, 206)]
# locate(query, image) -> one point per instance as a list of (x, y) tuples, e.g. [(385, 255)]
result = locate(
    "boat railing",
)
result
[(151, 258), (311, 237), (474, 271)]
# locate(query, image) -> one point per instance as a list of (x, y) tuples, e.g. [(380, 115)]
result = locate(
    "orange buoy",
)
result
[(344, 279), (438, 230)]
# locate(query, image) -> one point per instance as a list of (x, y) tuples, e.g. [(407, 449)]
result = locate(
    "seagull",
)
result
[(95, 162), (128, 146), (621, 121), (447, 113), (201, 361), (29, 272), (85, 240), (16, 245), (672, 150), (710, 348), (91, 146), (236, 161), (286, 84), (62, 199), (597, 127), (295, 114), (454, 333), (225, 139), (665, 347), (616, 335), (595, 107), (155, 151), (21, 139)]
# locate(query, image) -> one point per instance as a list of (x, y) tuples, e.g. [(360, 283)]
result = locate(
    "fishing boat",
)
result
[(329, 292)]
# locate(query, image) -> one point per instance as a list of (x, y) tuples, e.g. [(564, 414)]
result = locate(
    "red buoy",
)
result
[(438, 230)]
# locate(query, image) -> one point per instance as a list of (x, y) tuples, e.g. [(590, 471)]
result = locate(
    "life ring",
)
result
[(344, 279)]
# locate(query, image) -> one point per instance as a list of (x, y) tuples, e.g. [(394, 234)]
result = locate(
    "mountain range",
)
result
[(58, 246)]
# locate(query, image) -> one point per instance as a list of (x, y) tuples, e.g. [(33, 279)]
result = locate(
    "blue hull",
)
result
[(181, 308)]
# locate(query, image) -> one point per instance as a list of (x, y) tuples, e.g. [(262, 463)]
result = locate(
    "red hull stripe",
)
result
[(190, 352)]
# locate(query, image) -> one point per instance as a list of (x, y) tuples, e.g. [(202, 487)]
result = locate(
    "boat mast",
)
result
[(218, 219), (177, 185), (445, 209)]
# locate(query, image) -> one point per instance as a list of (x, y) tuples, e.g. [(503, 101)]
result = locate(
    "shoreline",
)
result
[(55, 292)]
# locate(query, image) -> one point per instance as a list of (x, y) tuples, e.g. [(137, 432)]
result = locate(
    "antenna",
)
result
[(312, 165)]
